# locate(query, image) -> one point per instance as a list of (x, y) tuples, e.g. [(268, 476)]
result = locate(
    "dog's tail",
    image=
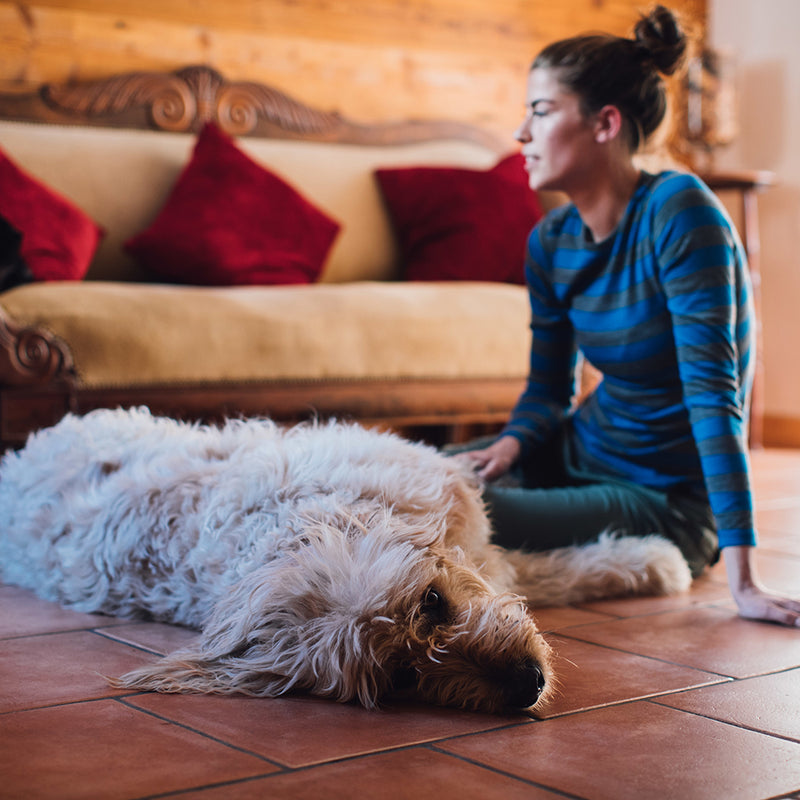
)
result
[(612, 566)]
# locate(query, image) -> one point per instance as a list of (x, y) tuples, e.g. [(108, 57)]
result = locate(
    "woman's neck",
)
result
[(602, 201)]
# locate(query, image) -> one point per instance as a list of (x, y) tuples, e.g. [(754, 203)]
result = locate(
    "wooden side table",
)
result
[(746, 184)]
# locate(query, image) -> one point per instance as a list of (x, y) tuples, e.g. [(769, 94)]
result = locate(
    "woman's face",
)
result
[(557, 139)]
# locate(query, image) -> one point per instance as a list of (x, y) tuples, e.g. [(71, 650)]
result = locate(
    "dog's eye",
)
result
[(432, 605)]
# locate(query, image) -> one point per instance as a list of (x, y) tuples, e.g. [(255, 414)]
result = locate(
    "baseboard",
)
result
[(781, 431)]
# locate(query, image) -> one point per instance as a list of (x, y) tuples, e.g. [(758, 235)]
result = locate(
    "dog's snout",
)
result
[(525, 685)]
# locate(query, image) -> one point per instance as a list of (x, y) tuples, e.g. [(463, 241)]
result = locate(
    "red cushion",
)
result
[(461, 224), (58, 239), (229, 221)]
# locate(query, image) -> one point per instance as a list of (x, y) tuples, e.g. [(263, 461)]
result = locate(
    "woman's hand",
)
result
[(753, 600), (495, 460)]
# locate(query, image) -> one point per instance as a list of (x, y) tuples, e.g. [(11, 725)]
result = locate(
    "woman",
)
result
[(645, 275)]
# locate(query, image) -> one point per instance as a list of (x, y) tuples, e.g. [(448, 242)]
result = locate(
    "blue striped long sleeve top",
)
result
[(663, 308)]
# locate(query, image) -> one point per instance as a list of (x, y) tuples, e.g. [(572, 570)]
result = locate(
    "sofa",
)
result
[(378, 275)]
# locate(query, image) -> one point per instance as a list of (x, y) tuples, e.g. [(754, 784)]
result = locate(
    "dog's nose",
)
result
[(525, 685)]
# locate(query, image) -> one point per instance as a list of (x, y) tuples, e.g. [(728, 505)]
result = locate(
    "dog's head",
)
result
[(458, 643), (357, 612)]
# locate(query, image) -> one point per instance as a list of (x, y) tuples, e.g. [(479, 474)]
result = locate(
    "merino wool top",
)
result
[(663, 309)]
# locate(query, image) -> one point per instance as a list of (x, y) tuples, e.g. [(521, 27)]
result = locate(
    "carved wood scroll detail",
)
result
[(182, 101), (185, 99), (30, 355)]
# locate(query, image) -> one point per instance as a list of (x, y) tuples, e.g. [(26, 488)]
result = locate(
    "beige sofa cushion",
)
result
[(132, 335), (121, 178)]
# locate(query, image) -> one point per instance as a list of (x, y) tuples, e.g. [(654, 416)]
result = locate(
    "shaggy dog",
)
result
[(325, 558)]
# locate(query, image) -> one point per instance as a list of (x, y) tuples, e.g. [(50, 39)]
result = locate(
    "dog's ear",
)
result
[(318, 620), (221, 660)]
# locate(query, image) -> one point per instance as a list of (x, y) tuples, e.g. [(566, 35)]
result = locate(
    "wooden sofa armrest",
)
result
[(32, 356)]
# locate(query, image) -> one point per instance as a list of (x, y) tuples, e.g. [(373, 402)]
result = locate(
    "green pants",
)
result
[(554, 504)]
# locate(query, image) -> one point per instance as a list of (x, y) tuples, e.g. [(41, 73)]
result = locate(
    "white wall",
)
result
[(765, 35)]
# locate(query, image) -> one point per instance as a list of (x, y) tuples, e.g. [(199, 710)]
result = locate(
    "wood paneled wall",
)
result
[(369, 59)]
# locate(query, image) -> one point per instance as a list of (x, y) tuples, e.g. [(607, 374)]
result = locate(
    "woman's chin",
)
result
[(537, 182)]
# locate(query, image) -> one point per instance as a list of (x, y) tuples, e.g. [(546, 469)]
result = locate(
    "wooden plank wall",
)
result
[(370, 59)]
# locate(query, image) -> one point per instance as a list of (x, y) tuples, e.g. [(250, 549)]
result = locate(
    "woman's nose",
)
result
[(523, 133)]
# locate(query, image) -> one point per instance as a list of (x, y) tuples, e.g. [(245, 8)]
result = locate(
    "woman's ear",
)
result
[(608, 124)]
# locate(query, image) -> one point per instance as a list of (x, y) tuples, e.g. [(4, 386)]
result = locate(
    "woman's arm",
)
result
[(703, 271), (753, 600), (550, 386)]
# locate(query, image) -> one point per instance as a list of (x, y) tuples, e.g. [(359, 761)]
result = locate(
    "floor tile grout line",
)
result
[(287, 768), (58, 704), (505, 773), (132, 645), (268, 775), (719, 603), (432, 746), (123, 701), (98, 629), (628, 700), (34, 634), (730, 723), (116, 694), (582, 607), (206, 787), (280, 767), (101, 632), (659, 660), (211, 786)]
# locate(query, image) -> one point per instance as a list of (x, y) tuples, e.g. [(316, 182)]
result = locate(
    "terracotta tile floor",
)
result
[(660, 698)]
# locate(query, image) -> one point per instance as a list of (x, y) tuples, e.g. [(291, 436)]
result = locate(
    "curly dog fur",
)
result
[(325, 558)]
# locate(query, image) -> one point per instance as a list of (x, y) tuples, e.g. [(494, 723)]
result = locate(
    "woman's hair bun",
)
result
[(661, 39)]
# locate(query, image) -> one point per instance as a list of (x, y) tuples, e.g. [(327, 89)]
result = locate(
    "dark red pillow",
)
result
[(229, 221), (58, 239), (461, 224)]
